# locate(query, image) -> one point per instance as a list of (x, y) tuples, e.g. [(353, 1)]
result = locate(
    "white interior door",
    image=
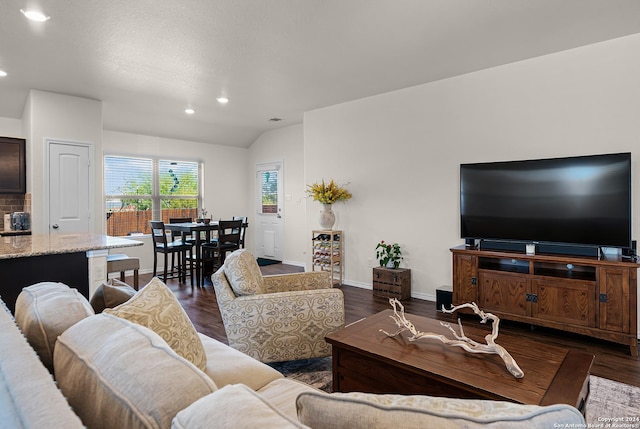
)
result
[(69, 188), (270, 216)]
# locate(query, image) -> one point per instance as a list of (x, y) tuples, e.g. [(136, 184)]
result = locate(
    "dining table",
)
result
[(196, 231)]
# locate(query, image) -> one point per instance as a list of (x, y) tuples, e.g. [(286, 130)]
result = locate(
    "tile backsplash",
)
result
[(10, 203)]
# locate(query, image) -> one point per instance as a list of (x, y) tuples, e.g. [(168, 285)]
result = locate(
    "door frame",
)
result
[(47, 175), (262, 166)]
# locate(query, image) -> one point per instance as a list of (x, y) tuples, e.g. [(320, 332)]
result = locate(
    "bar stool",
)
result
[(162, 245), (120, 262)]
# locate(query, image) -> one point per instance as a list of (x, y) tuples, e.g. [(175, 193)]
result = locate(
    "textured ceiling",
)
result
[(147, 60)]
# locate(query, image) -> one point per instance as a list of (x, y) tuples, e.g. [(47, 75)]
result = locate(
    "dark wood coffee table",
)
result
[(366, 360)]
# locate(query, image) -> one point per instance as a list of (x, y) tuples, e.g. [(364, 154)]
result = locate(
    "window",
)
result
[(269, 191), (138, 190)]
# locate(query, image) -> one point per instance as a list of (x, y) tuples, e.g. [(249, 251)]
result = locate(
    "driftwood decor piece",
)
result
[(460, 339)]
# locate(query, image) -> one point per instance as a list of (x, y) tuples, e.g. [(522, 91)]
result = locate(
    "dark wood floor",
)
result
[(612, 361)]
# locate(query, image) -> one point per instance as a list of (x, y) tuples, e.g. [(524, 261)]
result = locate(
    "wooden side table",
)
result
[(392, 283)]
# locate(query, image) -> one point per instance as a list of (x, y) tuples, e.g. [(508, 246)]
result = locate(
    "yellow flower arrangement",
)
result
[(328, 193)]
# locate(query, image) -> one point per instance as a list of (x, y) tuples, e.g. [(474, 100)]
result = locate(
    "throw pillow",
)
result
[(44, 311), (243, 273), (155, 307), (369, 411), (111, 294)]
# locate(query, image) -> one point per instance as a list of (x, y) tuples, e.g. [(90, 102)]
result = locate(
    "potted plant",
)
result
[(327, 194), (388, 255), (203, 216)]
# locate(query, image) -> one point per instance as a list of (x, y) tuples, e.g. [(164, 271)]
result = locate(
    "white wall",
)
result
[(10, 127), (286, 145), (401, 150), (66, 118), (226, 185)]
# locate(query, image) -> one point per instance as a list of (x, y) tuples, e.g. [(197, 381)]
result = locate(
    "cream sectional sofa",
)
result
[(113, 372)]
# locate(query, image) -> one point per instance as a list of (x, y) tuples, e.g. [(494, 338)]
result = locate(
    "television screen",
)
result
[(583, 200)]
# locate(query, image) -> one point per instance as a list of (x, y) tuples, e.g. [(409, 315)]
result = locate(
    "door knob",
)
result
[(55, 226)]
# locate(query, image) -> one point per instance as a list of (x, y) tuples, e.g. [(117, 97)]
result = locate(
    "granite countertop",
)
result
[(20, 246)]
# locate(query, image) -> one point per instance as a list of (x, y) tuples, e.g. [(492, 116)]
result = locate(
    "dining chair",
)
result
[(176, 237), (243, 228), (162, 245), (228, 240)]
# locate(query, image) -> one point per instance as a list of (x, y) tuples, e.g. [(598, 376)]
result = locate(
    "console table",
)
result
[(585, 295)]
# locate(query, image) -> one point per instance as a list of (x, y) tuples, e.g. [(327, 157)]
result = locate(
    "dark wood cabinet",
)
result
[(564, 301), (503, 292), (465, 278), (13, 166), (615, 291), (588, 296)]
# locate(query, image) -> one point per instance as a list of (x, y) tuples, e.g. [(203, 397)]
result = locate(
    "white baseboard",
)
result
[(416, 295)]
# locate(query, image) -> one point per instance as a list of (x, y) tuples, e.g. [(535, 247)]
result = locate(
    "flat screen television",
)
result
[(575, 201), (12, 166)]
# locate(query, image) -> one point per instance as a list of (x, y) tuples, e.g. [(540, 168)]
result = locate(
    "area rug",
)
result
[(263, 262), (608, 399)]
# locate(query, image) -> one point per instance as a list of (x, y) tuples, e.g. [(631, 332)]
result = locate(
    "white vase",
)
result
[(391, 264), (327, 217)]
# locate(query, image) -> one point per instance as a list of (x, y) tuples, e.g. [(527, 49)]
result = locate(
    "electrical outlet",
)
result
[(370, 262)]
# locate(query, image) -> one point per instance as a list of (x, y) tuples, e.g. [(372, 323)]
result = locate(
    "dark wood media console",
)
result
[(585, 295)]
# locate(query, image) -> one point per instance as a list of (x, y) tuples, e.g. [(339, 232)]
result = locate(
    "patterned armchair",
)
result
[(276, 318)]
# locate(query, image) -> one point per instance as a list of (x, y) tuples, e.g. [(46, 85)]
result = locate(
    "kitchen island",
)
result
[(77, 260)]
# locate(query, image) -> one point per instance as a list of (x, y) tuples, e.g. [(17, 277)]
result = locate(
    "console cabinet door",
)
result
[(565, 301), (614, 299), (465, 278), (504, 292)]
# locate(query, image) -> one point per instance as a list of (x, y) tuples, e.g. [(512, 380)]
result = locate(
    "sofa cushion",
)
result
[(243, 273), (282, 394), (370, 411), (233, 407), (118, 374), (226, 365), (29, 398), (157, 308), (111, 294), (44, 311)]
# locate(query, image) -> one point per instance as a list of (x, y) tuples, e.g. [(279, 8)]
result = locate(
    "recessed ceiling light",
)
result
[(3, 73), (35, 15), (222, 100), (189, 111)]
